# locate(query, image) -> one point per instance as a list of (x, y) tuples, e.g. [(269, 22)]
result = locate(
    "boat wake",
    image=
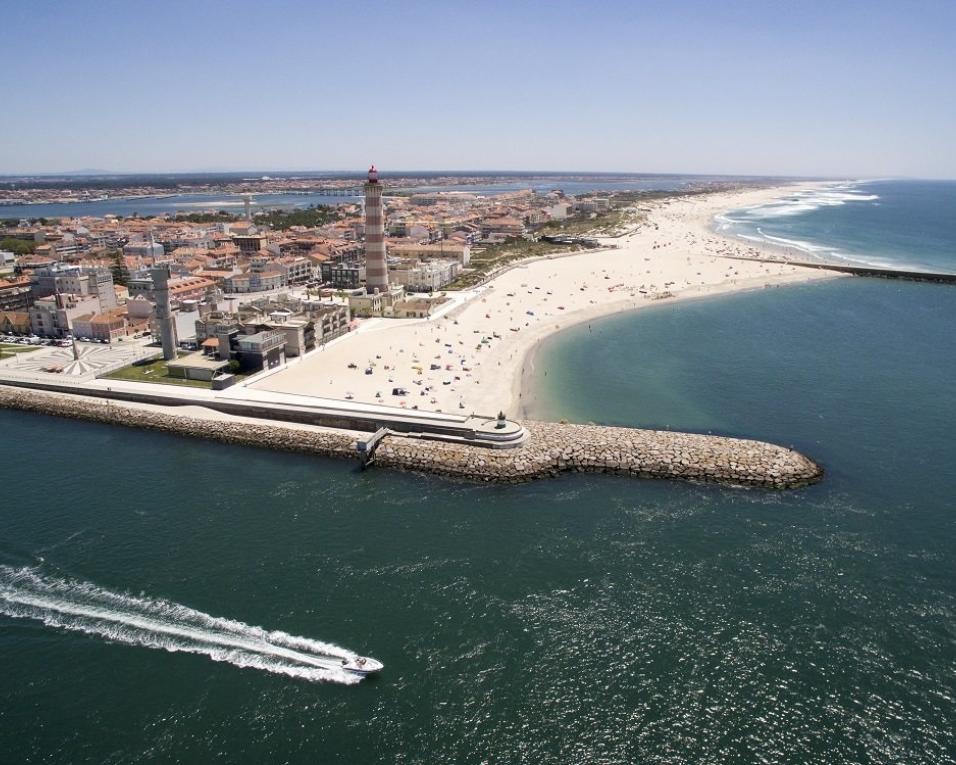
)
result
[(123, 618)]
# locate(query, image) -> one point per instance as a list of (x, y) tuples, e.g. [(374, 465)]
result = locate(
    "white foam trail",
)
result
[(121, 618)]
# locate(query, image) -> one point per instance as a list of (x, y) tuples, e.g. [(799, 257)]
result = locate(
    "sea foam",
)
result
[(745, 222), (154, 623)]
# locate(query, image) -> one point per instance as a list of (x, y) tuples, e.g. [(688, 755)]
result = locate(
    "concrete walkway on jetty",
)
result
[(243, 401), (541, 449), (867, 271)]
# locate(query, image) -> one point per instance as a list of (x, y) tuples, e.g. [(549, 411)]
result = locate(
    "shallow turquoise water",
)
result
[(587, 619)]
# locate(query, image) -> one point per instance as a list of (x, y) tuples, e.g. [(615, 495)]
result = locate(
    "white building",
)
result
[(148, 249), (53, 316), (425, 276), (559, 211), (444, 249)]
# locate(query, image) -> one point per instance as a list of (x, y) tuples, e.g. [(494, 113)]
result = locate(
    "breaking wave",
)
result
[(746, 223), (123, 618), (797, 204)]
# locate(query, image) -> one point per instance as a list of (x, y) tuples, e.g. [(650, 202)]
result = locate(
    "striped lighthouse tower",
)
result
[(376, 269)]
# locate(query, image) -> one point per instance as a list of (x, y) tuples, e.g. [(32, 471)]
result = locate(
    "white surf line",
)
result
[(220, 639)]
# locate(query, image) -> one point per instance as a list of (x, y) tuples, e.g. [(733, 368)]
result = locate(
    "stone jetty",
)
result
[(551, 448)]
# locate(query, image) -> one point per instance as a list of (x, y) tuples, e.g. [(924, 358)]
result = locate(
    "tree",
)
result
[(310, 217), (17, 246), (118, 268)]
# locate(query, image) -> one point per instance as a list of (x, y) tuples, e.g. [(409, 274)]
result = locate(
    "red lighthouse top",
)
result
[(372, 175)]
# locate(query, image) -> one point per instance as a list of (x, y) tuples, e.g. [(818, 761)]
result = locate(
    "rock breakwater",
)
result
[(554, 448), (551, 448)]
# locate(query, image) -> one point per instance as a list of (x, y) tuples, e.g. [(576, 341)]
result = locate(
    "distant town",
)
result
[(248, 291)]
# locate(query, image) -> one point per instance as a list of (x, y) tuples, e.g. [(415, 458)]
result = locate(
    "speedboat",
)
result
[(362, 665)]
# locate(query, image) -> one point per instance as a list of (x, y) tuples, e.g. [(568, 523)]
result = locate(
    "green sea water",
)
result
[(587, 619)]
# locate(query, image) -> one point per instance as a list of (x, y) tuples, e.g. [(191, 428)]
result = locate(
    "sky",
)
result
[(812, 88)]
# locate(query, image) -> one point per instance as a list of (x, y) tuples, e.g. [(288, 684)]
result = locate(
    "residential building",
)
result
[(249, 244), (593, 205), (363, 303), (15, 323), (151, 250), (295, 270), (558, 211), (443, 249), (180, 288), (263, 350), (254, 281), (74, 280), (342, 275), (424, 276), (416, 308), (15, 295), (109, 325), (504, 226), (52, 316)]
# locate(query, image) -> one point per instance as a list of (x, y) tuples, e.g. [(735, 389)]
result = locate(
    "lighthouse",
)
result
[(376, 268)]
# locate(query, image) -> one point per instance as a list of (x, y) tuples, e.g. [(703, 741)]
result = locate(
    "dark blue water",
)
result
[(888, 224), (587, 619)]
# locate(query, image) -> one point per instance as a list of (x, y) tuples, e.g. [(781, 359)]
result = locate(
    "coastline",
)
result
[(670, 256), (548, 450), (525, 393), (524, 398), (476, 357)]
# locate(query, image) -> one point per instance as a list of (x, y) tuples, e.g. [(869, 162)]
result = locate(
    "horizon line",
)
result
[(407, 171)]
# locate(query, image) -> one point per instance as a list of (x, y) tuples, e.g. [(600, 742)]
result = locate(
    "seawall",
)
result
[(553, 448), (550, 449), (869, 271)]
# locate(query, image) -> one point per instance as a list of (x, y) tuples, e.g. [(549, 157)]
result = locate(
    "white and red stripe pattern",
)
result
[(376, 268)]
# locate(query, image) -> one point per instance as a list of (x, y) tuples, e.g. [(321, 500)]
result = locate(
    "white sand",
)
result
[(674, 250)]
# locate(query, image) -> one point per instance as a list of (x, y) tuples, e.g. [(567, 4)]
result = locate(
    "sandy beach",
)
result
[(475, 357)]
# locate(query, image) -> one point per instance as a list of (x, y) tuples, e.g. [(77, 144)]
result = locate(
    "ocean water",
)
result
[(887, 224), (165, 599)]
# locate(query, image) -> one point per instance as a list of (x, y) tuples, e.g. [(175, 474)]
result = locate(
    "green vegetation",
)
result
[(603, 224), (310, 217), (17, 246), (155, 371), (12, 222), (614, 222), (495, 256), (118, 267), (9, 350), (217, 217)]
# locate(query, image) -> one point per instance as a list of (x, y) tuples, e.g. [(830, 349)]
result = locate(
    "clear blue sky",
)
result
[(806, 88)]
